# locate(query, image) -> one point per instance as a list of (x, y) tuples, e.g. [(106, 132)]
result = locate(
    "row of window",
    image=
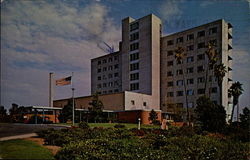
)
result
[(110, 91), (134, 26), (134, 86), (109, 76), (191, 36), (190, 92), (134, 56), (110, 59), (109, 68), (133, 103), (134, 46), (134, 36), (134, 76), (188, 71), (134, 66), (189, 81), (109, 84)]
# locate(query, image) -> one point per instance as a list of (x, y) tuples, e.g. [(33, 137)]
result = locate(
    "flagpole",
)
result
[(73, 104)]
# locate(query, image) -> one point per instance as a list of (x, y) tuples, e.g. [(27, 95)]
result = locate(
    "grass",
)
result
[(106, 125), (23, 149)]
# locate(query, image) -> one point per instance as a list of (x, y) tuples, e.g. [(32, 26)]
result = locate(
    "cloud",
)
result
[(40, 36), (170, 10)]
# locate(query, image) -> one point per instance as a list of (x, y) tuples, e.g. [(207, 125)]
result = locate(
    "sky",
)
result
[(61, 36)]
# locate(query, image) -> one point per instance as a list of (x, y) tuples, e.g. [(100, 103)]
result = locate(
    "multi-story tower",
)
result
[(141, 56), (192, 71)]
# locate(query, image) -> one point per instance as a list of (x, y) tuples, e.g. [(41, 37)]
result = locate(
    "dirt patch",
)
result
[(40, 141)]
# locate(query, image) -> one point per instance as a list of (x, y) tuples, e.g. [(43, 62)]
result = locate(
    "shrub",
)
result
[(119, 126), (83, 125)]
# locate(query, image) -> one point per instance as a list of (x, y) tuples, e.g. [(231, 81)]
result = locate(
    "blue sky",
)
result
[(61, 36)]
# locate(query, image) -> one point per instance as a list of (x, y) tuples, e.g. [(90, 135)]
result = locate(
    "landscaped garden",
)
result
[(119, 142)]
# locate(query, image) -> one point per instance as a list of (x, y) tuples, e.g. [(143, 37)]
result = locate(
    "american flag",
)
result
[(63, 81)]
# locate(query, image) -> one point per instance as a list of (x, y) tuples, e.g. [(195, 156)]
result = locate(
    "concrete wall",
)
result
[(114, 102)]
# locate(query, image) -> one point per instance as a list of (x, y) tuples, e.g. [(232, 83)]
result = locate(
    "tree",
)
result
[(66, 113), (220, 72), (212, 59), (179, 56), (211, 116), (96, 107), (245, 118), (235, 90), (3, 114), (153, 116)]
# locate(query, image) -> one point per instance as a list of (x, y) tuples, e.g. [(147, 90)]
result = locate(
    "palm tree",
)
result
[(220, 72), (179, 56), (235, 90), (212, 59)]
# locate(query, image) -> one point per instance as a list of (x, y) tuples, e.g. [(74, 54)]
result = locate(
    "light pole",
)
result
[(139, 123)]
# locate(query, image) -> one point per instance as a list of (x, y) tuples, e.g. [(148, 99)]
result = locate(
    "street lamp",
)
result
[(139, 123)]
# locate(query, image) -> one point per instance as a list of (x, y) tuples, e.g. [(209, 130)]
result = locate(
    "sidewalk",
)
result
[(18, 136)]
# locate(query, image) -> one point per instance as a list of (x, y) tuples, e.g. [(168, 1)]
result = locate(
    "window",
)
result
[(104, 85), (170, 42), (200, 57), (110, 59), (190, 59), (170, 63), (190, 37), (116, 83), (179, 105), (99, 92), (190, 92), (134, 36), (116, 74), (179, 72), (104, 69), (99, 62), (179, 82), (104, 77), (201, 34), (214, 42), (110, 68), (99, 78), (179, 93), (134, 66), (116, 90), (169, 73), (212, 30), (134, 26), (179, 40), (134, 56), (110, 84), (104, 61), (170, 53), (200, 69), (190, 81), (210, 78), (213, 90), (200, 80), (134, 86), (116, 66), (170, 94), (170, 84), (99, 86), (144, 104), (99, 70), (190, 48), (104, 92), (134, 46), (134, 76), (201, 45), (110, 91), (190, 70), (201, 91), (132, 102), (115, 57), (110, 76)]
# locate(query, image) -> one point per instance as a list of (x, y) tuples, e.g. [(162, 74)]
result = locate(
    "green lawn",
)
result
[(106, 125), (23, 149)]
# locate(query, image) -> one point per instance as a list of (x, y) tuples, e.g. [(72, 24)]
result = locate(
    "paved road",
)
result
[(14, 129)]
